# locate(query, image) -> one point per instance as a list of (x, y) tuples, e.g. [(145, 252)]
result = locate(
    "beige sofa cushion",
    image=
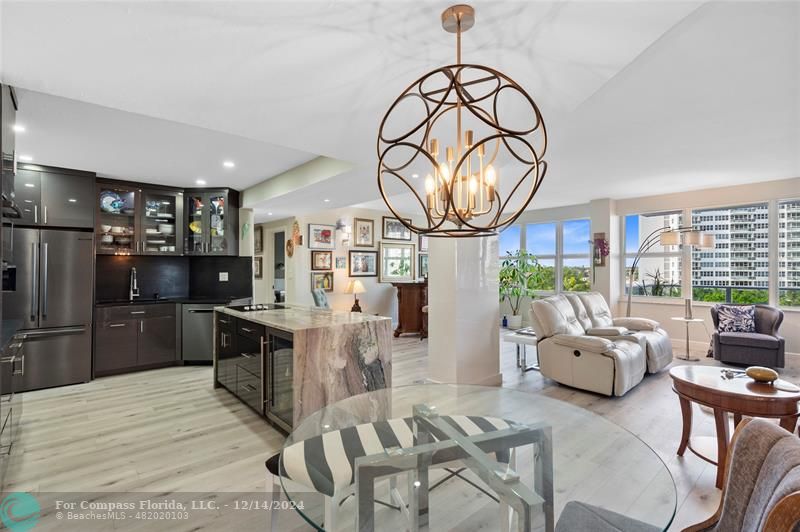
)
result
[(597, 309), (637, 324), (580, 311), (589, 343), (606, 331), (555, 316)]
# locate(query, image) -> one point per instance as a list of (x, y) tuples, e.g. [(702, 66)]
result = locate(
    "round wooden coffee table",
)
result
[(740, 396)]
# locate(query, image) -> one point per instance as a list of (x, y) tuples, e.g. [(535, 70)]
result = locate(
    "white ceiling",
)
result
[(113, 143), (639, 97)]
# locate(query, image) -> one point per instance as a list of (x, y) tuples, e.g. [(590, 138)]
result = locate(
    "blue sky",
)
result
[(631, 233), (541, 238)]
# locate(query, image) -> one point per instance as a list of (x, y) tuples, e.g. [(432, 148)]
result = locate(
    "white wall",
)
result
[(262, 288), (379, 298)]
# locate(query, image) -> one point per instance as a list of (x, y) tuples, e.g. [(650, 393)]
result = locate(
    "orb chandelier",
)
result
[(466, 141)]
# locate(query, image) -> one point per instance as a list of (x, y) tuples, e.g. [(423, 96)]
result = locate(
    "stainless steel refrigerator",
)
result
[(48, 295)]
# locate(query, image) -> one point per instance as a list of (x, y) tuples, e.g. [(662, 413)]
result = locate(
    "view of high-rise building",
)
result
[(736, 270)]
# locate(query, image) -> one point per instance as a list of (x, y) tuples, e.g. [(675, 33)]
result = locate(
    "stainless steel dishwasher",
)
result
[(198, 334)]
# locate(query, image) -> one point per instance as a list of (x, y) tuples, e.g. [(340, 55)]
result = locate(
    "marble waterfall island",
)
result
[(286, 363)]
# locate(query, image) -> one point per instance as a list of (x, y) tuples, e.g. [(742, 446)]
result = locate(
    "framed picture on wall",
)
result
[(363, 263), (323, 280), (321, 236), (397, 263), (423, 264), (258, 268), (258, 240), (322, 260), (363, 233), (423, 244), (341, 263), (393, 229)]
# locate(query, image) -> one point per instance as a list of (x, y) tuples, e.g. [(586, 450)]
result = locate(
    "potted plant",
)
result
[(520, 275)]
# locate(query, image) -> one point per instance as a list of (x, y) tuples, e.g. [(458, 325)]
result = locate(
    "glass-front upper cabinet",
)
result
[(138, 221), (211, 222), (116, 225), (161, 222)]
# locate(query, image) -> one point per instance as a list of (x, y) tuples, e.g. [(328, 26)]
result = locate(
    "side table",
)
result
[(522, 341), (687, 321)]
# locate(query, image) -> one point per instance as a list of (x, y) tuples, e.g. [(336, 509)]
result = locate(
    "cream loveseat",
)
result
[(581, 345)]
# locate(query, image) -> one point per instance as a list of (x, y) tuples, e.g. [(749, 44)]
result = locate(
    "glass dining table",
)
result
[(444, 457)]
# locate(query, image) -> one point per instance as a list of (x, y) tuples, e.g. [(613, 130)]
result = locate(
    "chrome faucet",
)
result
[(134, 290)]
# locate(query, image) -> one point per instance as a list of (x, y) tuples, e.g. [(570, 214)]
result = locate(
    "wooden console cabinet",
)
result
[(411, 297)]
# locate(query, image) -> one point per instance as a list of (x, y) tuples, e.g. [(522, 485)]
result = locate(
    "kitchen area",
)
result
[(125, 279)]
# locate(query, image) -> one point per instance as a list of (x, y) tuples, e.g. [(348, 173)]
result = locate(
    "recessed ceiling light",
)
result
[(201, 181), (72, 200), (415, 176), (30, 185), (19, 128), (269, 214), (326, 200), (228, 164), (25, 158)]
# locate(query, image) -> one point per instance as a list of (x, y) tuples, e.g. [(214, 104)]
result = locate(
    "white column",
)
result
[(607, 279), (464, 311)]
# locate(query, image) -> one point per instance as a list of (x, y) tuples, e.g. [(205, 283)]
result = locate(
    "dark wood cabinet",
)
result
[(157, 339), (54, 197), (256, 364), (134, 219), (134, 337), (411, 297), (211, 222), (115, 345)]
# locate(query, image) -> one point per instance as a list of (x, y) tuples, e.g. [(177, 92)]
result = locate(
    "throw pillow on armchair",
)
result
[(740, 318)]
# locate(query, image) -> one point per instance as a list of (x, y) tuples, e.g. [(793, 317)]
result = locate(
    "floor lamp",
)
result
[(668, 236)]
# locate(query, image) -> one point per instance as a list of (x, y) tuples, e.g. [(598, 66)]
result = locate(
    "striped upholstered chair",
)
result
[(326, 463)]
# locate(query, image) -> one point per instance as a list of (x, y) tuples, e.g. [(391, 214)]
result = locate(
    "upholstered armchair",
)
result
[(765, 347), (762, 481), (320, 298)]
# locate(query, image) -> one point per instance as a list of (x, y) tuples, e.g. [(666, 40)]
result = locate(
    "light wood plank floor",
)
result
[(169, 431)]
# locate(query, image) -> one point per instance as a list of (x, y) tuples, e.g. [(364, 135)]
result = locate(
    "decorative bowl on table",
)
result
[(761, 374)]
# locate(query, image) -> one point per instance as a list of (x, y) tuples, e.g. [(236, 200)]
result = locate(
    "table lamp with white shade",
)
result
[(355, 287)]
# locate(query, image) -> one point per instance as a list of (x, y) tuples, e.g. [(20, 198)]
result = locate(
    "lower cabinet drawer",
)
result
[(251, 362), (248, 388)]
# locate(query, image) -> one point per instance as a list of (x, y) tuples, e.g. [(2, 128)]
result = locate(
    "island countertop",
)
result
[(294, 318)]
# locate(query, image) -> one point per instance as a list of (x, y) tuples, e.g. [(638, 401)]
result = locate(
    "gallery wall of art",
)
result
[(334, 253)]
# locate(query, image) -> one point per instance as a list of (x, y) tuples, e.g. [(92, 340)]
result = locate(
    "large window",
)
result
[(737, 269), (789, 253), (563, 251), (658, 272), (509, 241), (540, 239)]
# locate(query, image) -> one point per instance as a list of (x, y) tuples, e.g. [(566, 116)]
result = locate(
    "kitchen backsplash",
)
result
[(173, 277), (204, 277)]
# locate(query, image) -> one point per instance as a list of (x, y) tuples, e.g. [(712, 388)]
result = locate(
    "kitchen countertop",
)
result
[(164, 300), (297, 317)]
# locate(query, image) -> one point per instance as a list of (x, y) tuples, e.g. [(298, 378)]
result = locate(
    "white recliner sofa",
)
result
[(600, 323), (580, 345)]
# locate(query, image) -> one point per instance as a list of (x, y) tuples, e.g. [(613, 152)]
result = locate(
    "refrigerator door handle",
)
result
[(44, 280), (40, 333), (34, 281)]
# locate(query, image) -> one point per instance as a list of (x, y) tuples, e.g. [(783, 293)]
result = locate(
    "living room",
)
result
[(400, 266)]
